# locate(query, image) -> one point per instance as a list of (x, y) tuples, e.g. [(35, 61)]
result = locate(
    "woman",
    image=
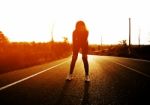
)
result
[(80, 41)]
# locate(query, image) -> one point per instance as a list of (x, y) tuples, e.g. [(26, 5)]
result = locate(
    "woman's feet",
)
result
[(69, 77), (87, 78)]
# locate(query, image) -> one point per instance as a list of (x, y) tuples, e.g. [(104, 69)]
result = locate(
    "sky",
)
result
[(37, 20)]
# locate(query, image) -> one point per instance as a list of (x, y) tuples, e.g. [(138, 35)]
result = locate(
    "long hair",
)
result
[(80, 26)]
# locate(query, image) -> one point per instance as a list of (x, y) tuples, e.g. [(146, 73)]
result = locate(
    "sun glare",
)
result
[(32, 20)]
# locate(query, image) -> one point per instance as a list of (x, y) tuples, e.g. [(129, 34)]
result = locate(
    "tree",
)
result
[(123, 43), (3, 38), (65, 39)]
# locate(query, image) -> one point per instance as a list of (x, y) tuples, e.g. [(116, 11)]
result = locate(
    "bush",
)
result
[(20, 55)]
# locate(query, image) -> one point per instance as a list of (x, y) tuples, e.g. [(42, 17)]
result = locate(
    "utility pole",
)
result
[(52, 37), (129, 49), (139, 38), (101, 43)]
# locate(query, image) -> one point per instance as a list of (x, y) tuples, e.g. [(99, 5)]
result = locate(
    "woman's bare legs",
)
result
[(86, 64), (74, 58)]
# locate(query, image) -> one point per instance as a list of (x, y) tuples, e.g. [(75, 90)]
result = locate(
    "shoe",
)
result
[(87, 78), (69, 77)]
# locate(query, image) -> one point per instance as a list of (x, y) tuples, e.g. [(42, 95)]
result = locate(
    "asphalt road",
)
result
[(114, 81)]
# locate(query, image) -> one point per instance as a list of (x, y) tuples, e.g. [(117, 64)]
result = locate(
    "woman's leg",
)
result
[(72, 65), (85, 59), (86, 64)]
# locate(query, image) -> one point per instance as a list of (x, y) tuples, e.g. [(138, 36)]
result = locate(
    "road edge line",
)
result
[(141, 73), (31, 76)]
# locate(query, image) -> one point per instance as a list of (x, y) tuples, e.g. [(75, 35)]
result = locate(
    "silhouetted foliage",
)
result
[(65, 39), (142, 52), (3, 38), (22, 54)]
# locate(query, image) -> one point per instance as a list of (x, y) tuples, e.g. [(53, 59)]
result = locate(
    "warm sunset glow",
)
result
[(37, 20)]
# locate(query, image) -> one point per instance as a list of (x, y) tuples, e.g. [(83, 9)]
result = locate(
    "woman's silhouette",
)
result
[(80, 41)]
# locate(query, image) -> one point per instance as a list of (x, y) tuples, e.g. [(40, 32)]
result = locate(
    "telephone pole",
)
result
[(52, 37), (129, 49), (139, 38), (101, 43)]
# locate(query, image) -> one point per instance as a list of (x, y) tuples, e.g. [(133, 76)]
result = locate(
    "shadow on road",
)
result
[(63, 92), (63, 95), (85, 100)]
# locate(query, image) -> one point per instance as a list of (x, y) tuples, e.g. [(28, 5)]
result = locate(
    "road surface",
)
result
[(114, 81)]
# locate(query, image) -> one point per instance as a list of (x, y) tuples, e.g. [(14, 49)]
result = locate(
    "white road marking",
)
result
[(141, 60), (146, 75), (31, 76)]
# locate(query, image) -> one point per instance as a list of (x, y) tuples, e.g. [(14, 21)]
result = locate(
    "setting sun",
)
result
[(38, 20)]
